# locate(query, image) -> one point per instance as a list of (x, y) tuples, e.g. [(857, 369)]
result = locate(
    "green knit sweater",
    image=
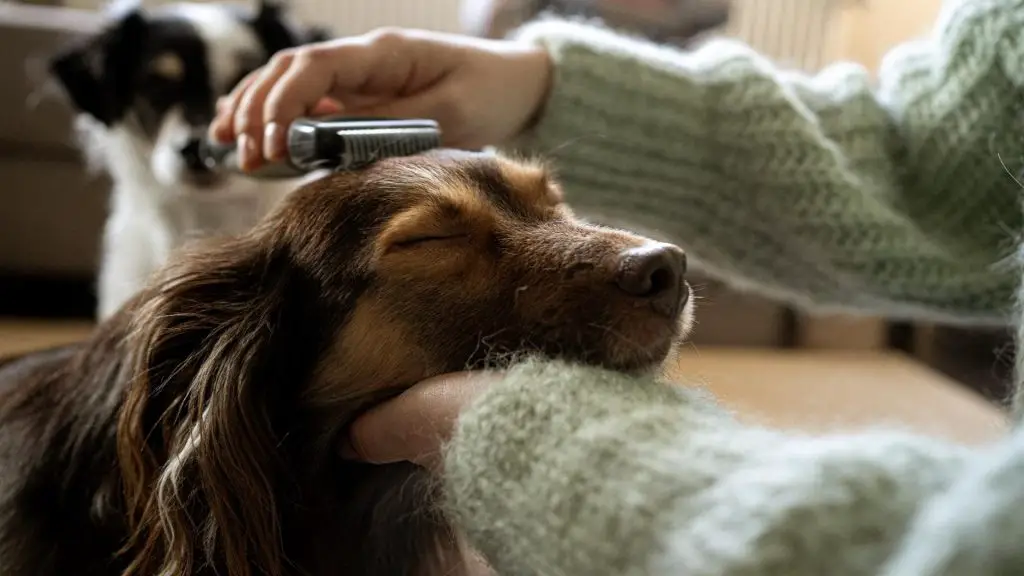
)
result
[(826, 191)]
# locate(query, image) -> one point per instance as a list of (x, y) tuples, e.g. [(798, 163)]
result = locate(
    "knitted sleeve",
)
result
[(576, 471), (825, 191)]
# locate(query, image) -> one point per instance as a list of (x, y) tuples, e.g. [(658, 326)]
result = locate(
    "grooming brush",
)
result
[(332, 144)]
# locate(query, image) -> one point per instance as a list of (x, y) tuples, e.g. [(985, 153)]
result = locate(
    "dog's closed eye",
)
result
[(427, 238), (425, 226)]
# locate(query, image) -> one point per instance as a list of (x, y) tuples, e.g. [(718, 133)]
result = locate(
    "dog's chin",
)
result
[(647, 346), (202, 186), (203, 182), (644, 363)]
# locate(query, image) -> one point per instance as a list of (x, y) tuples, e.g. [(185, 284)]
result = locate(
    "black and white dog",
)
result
[(145, 88)]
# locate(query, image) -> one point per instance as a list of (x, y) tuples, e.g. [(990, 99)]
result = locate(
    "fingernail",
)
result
[(246, 150), (273, 142)]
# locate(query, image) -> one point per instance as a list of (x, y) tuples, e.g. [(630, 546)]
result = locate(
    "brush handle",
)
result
[(224, 158), (334, 144)]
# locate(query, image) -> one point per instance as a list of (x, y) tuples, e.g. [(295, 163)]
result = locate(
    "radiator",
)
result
[(793, 33), (350, 16), (357, 16)]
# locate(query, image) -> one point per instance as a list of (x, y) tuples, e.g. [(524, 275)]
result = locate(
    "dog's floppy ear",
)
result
[(98, 74), (219, 349), (277, 32)]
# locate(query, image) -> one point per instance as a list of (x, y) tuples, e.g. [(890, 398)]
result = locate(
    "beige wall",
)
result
[(868, 29), (347, 17)]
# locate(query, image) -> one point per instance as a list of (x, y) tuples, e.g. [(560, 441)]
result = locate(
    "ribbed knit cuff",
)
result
[(554, 463)]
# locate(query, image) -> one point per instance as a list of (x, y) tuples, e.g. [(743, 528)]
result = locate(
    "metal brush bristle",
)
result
[(363, 147)]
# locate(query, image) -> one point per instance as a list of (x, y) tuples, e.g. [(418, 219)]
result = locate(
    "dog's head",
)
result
[(254, 351), (155, 75)]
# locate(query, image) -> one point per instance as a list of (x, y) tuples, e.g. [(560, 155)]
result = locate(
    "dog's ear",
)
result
[(220, 348), (277, 32), (98, 73)]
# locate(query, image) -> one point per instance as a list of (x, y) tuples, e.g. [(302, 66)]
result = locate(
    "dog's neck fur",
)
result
[(89, 382), (79, 389)]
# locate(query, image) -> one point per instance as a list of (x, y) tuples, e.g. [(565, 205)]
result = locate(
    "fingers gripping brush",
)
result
[(332, 144)]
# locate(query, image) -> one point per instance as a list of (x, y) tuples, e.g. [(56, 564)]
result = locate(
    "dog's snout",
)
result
[(653, 271), (191, 154)]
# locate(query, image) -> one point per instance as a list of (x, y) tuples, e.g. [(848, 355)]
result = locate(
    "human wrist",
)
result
[(537, 67)]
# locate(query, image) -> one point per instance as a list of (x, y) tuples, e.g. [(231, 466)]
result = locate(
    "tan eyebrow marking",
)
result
[(530, 182), (169, 66), (454, 207)]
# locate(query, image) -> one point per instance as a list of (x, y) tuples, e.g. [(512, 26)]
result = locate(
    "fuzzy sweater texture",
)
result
[(826, 191)]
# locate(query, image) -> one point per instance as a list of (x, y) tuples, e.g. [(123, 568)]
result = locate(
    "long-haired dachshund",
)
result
[(196, 432)]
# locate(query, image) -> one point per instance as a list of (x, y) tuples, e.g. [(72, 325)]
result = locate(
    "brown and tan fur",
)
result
[(196, 432)]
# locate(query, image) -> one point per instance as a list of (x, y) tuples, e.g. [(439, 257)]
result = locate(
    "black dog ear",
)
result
[(98, 73), (277, 32)]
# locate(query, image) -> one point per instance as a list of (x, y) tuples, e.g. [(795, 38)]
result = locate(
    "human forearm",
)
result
[(817, 190), (568, 470)]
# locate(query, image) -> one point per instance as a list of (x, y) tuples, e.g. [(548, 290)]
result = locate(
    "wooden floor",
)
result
[(811, 391), (17, 336), (817, 391)]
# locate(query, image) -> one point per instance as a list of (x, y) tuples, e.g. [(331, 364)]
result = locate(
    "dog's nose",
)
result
[(653, 271), (190, 153)]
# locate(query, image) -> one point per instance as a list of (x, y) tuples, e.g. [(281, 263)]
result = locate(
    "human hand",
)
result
[(481, 92), (415, 425)]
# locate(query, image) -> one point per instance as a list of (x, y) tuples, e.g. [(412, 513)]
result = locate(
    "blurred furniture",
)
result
[(665, 21), (349, 16), (808, 391), (51, 210)]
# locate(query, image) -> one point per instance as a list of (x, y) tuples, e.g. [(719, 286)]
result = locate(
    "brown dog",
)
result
[(196, 432)]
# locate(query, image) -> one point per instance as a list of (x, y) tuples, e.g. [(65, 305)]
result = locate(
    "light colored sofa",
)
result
[(51, 210)]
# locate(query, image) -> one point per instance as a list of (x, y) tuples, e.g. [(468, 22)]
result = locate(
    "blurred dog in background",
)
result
[(145, 88)]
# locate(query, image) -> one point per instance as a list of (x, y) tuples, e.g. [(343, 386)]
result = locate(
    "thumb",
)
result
[(414, 425)]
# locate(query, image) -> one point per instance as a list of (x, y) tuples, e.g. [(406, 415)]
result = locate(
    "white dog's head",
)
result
[(146, 85)]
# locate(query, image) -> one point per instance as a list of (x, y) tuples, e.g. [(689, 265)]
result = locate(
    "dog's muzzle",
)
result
[(197, 172)]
